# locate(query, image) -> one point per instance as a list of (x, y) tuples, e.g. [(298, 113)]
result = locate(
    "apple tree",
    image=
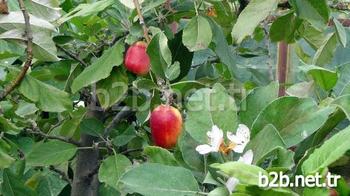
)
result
[(165, 97)]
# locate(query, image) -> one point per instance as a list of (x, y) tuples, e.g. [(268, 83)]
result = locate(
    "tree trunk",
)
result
[(85, 181)]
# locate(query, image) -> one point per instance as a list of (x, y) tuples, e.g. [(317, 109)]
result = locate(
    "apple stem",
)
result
[(168, 95), (142, 21)]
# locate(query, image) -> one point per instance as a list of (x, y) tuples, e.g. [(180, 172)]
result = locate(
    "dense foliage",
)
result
[(261, 85)]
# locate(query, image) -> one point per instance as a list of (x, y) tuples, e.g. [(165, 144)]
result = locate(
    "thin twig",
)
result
[(142, 21), (62, 174), (125, 112), (29, 37), (36, 131), (131, 151), (73, 56)]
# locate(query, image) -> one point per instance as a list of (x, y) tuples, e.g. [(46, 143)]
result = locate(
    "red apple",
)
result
[(136, 59), (166, 126)]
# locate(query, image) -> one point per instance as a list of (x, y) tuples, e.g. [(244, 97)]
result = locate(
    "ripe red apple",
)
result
[(166, 126), (136, 59)]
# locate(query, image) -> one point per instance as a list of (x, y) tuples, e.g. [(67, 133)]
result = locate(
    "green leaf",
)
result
[(329, 152), (256, 101), (5, 159), (293, 117), (43, 49), (261, 147), (187, 146), (173, 71), (343, 81), (51, 153), (246, 174), (112, 169), (301, 89), (197, 34), (314, 11), (148, 5), (69, 128), (325, 53), (125, 137), (325, 78), (143, 83), (219, 191), (9, 49), (50, 184), (279, 159), (283, 29), (92, 126), (148, 179), (343, 102), (9, 127), (15, 20), (316, 191), (255, 12), (160, 155), (86, 9), (46, 9), (112, 89), (101, 68), (316, 38), (223, 50), (208, 107), (159, 53), (105, 190), (185, 86), (341, 33), (46, 97), (25, 109), (14, 186)]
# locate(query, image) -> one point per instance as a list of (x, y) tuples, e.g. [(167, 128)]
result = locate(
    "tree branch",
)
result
[(282, 67), (125, 112), (142, 21), (29, 36), (36, 131), (73, 56)]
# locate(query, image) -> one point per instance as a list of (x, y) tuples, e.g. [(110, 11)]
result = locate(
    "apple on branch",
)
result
[(166, 126), (136, 59)]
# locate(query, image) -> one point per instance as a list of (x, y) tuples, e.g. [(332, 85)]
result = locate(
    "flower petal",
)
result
[(247, 158), (204, 149), (243, 133), (217, 137), (239, 148), (216, 132), (231, 184), (233, 138)]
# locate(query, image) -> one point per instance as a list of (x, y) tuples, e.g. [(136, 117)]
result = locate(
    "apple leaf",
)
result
[(148, 179), (208, 107), (101, 68)]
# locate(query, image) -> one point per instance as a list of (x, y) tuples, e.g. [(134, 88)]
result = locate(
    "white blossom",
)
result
[(216, 137)]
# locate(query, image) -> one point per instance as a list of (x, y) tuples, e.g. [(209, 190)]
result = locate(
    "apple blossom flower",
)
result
[(216, 137), (232, 182), (237, 143), (240, 139)]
